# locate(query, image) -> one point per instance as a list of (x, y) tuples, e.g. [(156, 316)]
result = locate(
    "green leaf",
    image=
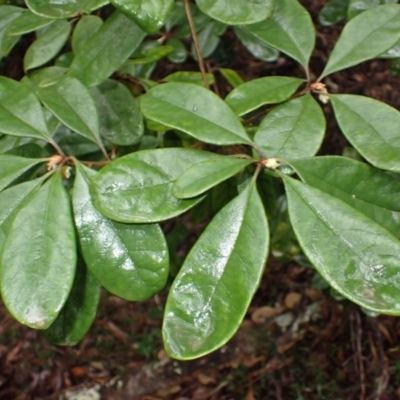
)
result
[(71, 102), (372, 128), (189, 77), (38, 266), (87, 26), (65, 8), (237, 12), (78, 313), (10, 200), (46, 46), (255, 46), (358, 6), (137, 188), (43, 77), (258, 92), (356, 256), (333, 12), (208, 39), (290, 30), (7, 15), (195, 111), (121, 121), (149, 15), (218, 279), (232, 77), (29, 150), (179, 53), (203, 176), (294, 129), (366, 36), (151, 55), (130, 261), (99, 57), (27, 22), (369, 190), (20, 112), (11, 167)]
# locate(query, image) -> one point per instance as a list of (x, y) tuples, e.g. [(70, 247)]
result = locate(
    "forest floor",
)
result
[(296, 342)]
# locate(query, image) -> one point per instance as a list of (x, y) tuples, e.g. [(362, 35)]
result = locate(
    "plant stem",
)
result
[(56, 146), (196, 43)]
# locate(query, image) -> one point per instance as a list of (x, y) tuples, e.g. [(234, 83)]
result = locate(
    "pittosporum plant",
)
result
[(69, 227)]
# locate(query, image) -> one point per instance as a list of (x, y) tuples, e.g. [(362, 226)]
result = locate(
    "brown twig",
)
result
[(196, 43), (359, 356)]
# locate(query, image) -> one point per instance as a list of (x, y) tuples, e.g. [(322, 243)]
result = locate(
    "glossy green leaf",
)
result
[(20, 112), (333, 12), (203, 176), (179, 52), (71, 102), (358, 6), (294, 129), (87, 26), (107, 50), (218, 279), (10, 200), (8, 142), (189, 77), (43, 77), (65, 8), (151, 55), (121, 121), (369, 190), (38, 266), (74, 144), (149, 15), (11, 167), (237, 12), (78, 313), (290, 30), (194, 110), (137, 188), (372, 128), (258, 92), (27, 22), (7, 15), (355, 255), (45, 47), (366, 36), (232, 77), (255, 46), (130, 261)]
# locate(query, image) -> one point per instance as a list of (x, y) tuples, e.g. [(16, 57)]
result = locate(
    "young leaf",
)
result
[(203, 176), (46, 46), (356, 184), (194, 110), (355, 255), (27, 22), (71, 102), (130, 261), (64, 9), (290, 30), (149, 15), (372, 128), (179, 52), (218, 279), (121, 121), (366, 36), (11, 167), (255, 46), (20, 111), (294, 129), (189, 77), (107, 50), (78, 313), (38, 266), (137, 188), (237, 12), (258, 92), (232, 77), (87, 26)]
